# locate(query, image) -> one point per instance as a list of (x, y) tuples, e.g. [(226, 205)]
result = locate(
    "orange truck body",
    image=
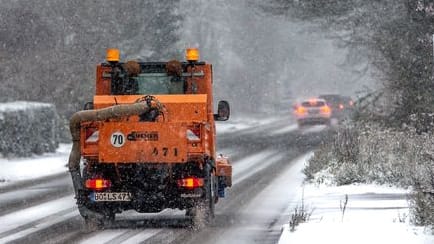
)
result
[(177, 145)]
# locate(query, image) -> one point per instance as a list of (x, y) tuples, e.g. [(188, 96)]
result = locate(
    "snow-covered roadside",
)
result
[(19, 169), (373, 214)]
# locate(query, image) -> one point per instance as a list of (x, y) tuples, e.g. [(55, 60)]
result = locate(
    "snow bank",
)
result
[(27, 128), (373, 214)]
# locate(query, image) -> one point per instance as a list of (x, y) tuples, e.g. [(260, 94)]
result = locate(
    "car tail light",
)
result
[(190, 182), (300, 110), (193, 133), (325, 110), (98, 184), (341, 106), (351, 103), (92, 134)]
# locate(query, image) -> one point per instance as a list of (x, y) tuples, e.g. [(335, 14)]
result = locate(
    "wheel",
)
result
[(300, 124), (203, 212), (99, 222), (96, 217), (210, 199)]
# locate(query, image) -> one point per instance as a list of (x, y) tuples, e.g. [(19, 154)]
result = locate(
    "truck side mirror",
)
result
[(223, 111)]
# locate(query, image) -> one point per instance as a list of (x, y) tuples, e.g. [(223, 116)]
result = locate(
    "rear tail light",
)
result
[(98, 184), (341, 106), (193, 133), (92, 134), (325, 110), (300, 110), (190, 182)]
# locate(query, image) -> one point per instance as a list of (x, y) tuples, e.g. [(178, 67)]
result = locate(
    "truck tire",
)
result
[(100, 219), (202, 213), (300, 124), (209, 201)]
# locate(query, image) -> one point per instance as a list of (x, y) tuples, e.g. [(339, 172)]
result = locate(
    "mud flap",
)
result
[(77, 182), (224, 170), (202, 213)]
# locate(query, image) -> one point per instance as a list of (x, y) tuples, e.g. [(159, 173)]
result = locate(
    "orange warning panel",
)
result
[(223, 168), (142, 142)]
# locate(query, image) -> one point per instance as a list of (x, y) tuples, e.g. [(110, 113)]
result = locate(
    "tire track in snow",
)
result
[(29, 196), (34, 219), (286, 129), (250, 165), (122, 236), (36, 214), (37, 226)]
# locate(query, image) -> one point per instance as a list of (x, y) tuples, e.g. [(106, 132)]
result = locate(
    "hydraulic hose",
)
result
[(113, 112)]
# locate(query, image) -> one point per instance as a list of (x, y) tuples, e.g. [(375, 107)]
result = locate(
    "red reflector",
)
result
[(98, 184), (190, 182), (193, 133), (92, 134)]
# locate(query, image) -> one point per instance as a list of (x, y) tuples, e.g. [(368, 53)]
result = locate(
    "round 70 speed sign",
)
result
[(117, 139)]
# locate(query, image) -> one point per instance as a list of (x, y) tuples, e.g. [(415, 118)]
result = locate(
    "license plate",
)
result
[(110, 196)]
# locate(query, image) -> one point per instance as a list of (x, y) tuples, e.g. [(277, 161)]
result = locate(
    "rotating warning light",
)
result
[(192, 54), (113, 55)]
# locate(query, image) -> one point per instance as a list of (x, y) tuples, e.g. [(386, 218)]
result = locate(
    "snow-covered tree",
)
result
[(49, 49)]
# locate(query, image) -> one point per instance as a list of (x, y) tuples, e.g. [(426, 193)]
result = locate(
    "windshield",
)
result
[(159, 83), (148, 83)]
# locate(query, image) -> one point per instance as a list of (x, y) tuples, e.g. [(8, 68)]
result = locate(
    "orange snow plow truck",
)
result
[(147, 141)]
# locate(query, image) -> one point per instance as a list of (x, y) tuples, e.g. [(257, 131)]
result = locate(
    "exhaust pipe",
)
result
[(113, 112)]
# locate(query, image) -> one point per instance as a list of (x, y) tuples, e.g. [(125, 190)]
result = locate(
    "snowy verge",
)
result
[(27, 128), (372, 214), (19, 169)]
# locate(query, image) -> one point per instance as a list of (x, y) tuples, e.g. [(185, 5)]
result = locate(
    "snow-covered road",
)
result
[(267, 187), (46, 211)]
